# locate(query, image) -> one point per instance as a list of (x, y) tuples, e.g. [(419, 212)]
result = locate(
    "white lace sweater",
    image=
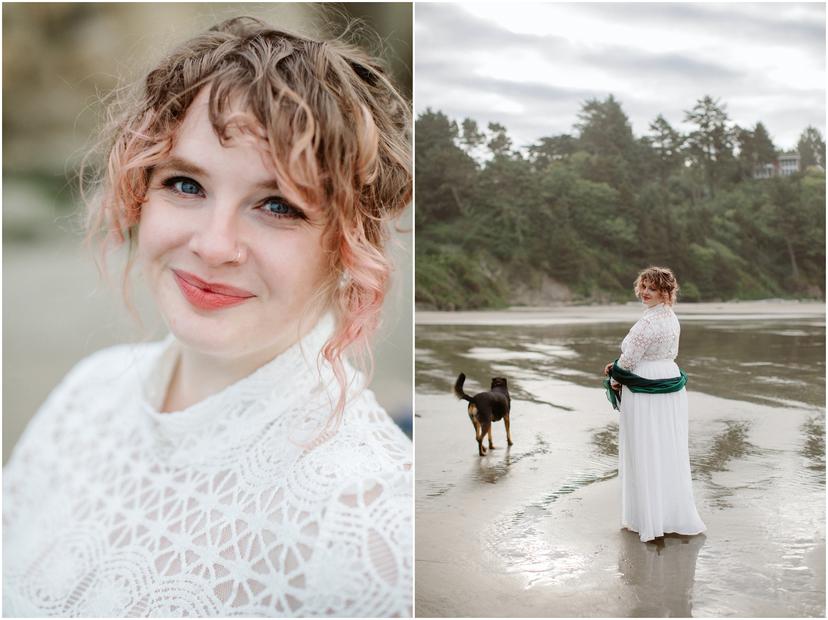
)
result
[(655, 336), (111, 508)]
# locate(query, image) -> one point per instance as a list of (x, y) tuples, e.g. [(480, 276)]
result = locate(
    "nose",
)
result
[(215, 239)]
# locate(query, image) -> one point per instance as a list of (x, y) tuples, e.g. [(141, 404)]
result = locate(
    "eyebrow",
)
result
[(180, 164)]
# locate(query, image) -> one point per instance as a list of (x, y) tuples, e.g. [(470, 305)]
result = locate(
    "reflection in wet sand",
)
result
[(488, 471), (660, 573), (730, 444), (522, 544), (606, 441), (814, 448)]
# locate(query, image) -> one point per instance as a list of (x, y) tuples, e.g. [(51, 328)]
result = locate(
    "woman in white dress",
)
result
[(236, 468), (653, 454)]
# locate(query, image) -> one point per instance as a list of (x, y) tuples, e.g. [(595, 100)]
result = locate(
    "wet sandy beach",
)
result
[(534, 530)]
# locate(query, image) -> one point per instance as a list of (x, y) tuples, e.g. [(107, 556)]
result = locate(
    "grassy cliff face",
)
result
[(574, 219)]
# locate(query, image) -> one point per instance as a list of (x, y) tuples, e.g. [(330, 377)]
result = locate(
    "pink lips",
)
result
[(209, 295)]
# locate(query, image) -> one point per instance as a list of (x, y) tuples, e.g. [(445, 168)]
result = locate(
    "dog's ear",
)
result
[(498, 382)]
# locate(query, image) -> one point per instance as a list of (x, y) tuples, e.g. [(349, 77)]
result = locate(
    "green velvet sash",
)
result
[(635, 383)]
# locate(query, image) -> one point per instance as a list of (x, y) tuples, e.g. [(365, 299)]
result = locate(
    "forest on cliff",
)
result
[(575, 216)]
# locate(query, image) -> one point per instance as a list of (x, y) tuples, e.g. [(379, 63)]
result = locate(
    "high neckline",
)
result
[(285, 372), (655, 308)]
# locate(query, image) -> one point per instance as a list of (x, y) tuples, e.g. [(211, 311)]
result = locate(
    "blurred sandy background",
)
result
[(58, 59)]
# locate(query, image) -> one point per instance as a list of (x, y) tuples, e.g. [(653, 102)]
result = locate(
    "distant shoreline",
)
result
[(770, 309)]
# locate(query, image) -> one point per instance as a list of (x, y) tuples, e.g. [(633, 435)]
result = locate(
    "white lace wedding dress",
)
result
[(111, 508), (653, 453)]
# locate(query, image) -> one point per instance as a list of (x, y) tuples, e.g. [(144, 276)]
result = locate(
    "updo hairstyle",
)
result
[(662, 279)]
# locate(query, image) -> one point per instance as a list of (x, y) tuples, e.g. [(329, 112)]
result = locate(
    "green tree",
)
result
[(445, 173), (604, 128), (811, 148), (710, 145), (548, 150), (756, 149), (606, 135), (763, 145), (471, 138), (580, 211), (667, 143), (500, 144)]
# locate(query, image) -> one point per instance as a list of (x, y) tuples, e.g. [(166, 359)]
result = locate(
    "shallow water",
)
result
[(757, 361), (537, 524)]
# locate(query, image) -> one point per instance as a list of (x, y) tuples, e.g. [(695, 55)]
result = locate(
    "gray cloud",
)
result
[(523, 92), (438, 22), (766, 22), (666, 65), (451, 76)]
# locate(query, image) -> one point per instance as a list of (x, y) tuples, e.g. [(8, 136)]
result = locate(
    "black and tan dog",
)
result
[(485, 408)]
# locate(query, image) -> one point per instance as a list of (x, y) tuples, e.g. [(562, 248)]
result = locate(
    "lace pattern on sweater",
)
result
[(655, 336), (112, 512)]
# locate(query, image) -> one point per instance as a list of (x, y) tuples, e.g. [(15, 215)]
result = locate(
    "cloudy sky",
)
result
[(530, 66)]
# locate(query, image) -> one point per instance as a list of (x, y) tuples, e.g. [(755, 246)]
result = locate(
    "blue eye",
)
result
[(183, 185), (186, 186), (279, 207)]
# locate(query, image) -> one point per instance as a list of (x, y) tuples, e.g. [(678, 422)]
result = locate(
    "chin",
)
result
[(207, 339)]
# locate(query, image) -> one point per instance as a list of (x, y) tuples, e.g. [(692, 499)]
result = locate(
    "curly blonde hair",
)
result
[(663, 280), (338, 132)]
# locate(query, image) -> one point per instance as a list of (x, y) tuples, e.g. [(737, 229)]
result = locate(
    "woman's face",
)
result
[(230, 262), (649, 294)]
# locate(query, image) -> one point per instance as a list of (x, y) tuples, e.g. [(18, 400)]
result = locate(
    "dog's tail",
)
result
[(458, 388)]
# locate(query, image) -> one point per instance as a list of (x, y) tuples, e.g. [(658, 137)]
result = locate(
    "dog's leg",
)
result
[(475, 423), (485, 429), (478, 430), (508, 430), (476, 427), (491, 445)]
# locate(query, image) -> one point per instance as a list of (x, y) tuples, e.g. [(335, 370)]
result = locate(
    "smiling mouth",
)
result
[(207, 295)]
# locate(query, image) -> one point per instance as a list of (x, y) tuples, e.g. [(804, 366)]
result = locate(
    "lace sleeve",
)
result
[(635, 345), (34, 464), (362, 564)]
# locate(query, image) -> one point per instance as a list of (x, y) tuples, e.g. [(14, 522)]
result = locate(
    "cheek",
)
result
[(158, 231), (297, 261)]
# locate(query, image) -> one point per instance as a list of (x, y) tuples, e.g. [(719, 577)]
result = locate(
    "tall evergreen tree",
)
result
[(555, 148), (500, 144), (755, 149), (747, 152), (604, 128), (471, 138), (606, 134), (445, 173), (667, 143), (811, 148), (763, 145), (711, 143)]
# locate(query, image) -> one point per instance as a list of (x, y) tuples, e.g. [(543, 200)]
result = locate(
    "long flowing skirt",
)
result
[(654, 459)]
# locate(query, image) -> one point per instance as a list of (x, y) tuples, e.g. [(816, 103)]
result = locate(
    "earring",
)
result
[(344, 279)]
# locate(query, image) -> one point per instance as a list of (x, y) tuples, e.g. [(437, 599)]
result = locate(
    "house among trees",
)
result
[(785, 165)]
